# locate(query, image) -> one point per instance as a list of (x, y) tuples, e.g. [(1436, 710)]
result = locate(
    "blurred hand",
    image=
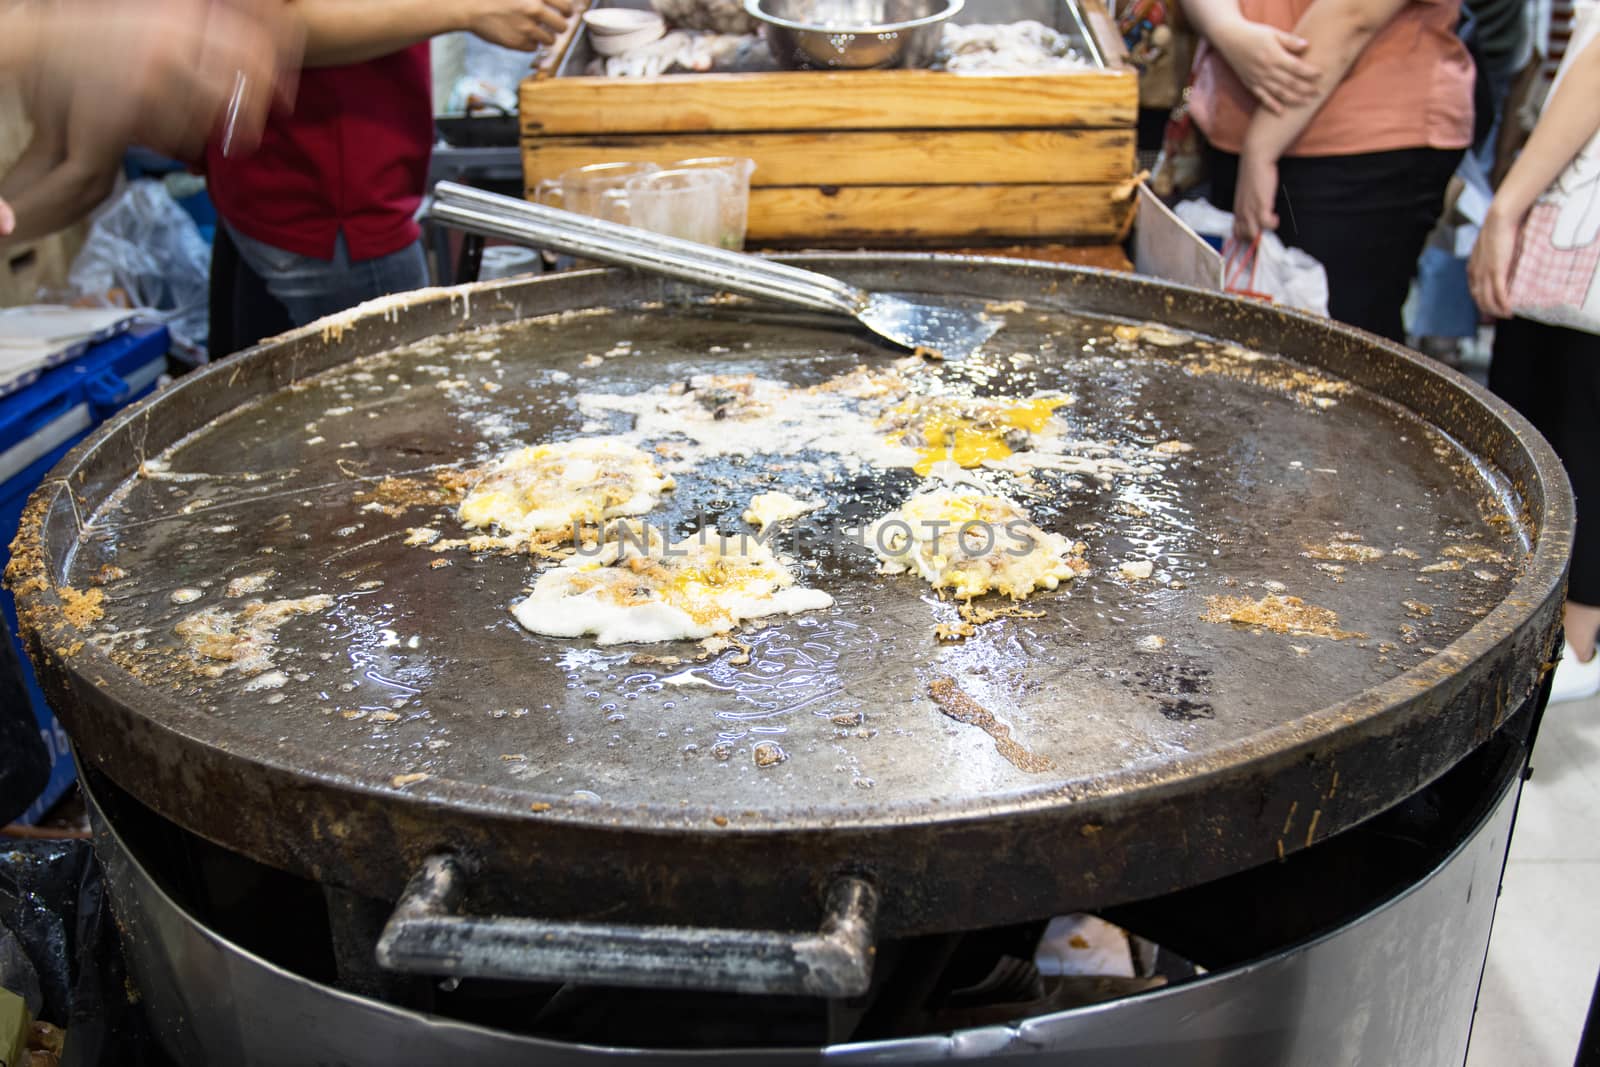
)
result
[(1254, 195), (1489, 269), (524, 24), (8, 221), (162, 73), (1268, 61)]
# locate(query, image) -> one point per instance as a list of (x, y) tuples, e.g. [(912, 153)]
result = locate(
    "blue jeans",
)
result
[(1444, 303), (309, 288)]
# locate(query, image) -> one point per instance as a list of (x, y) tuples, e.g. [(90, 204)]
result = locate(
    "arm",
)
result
[(160, 73), (1570, 119), (47, 112), (351, 31), (20, 33), (83, 174), (21, 36), (66, 194), (1337, 32), (1268, 60), (47, 187), (163, 71)]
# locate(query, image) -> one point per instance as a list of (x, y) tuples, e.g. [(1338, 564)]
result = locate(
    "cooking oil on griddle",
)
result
[(1228, 472)]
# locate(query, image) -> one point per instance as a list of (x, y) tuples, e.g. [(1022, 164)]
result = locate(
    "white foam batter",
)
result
[(701, 586), (767, 509), (973, 543), (742, 415), (550, 489)]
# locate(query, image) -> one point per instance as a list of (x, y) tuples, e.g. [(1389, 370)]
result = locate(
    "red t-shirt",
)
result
[(353, 157)]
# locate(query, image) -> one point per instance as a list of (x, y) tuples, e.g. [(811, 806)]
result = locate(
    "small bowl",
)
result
[(618, 21), (616, 44), (853, 34)]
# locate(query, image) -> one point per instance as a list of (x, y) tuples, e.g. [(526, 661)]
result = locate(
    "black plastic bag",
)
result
[(59, 948)]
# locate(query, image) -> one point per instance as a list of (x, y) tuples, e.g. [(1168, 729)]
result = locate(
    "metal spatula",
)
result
[(941, 325)]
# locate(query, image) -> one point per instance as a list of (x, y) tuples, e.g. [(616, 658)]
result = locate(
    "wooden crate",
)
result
[(885, 158)]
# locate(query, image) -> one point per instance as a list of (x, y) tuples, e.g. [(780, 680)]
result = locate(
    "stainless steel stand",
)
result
[(1396, 984)]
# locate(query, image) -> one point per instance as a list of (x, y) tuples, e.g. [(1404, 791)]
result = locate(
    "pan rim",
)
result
[(1386, 705)]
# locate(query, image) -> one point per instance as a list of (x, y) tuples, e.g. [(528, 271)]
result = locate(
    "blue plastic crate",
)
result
[(39, 425)]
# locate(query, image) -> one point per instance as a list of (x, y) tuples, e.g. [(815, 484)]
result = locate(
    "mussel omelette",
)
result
[(637, 588)]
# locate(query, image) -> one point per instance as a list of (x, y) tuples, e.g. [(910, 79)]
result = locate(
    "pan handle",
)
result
[(608, 242), (425, 935)]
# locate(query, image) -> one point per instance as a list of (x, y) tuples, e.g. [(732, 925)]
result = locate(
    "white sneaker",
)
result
[(1575, 680)]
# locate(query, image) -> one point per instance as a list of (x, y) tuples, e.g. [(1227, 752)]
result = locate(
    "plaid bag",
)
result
[(1554, 276)]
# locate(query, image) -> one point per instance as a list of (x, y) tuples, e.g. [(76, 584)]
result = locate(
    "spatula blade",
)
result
[(954, 329)]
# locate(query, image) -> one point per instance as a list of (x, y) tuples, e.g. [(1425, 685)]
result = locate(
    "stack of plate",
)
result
[(614, 31)]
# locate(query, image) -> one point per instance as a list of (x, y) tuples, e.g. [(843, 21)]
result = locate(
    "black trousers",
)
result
[(1364, 217), (1552, 376), (243, 310)]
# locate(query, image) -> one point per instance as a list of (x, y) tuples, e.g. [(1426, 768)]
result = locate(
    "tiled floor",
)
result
[(1546, 944)]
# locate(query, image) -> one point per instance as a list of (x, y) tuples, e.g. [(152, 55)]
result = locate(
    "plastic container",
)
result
[(598, 190), (735, 196), (679, 203), (38, 425)]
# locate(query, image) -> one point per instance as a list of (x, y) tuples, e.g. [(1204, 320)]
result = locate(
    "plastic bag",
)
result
[(1205, 219), (146, 245), (59, 946), (1266, 268)]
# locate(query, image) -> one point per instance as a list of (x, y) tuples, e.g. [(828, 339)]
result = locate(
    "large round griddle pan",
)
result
[(416, 719)]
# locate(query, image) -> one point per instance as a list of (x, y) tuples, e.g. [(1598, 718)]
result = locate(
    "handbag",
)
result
[(1554, 275)]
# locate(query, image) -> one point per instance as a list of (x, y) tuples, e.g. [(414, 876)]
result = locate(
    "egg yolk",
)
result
[(970, 433)]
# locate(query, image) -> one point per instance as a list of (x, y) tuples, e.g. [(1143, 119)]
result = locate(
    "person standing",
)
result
[(1353, 171), (322, 215), (1551, 373)]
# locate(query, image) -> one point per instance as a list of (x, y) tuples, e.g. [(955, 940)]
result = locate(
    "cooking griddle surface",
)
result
[(418, 679)]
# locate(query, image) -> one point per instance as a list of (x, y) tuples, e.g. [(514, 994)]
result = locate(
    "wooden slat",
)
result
[(1106, 35), (864, 157), (828, 100), (887, 216)]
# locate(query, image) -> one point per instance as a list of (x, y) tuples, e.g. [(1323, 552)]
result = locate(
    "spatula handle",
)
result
[(628, 246)]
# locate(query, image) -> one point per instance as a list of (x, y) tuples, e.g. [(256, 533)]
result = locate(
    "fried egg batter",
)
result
[(969, 431), (767, 509), (734, 415), (703, 585), (972, 543), (548, 490)]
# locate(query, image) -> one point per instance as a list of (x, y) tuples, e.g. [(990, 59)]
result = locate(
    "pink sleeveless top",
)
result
[(1410, 88)]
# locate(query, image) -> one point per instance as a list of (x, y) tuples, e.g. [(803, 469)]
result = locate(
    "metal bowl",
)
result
[(853, 34)]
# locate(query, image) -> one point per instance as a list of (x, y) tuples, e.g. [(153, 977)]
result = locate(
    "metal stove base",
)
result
[(1394, 985)]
